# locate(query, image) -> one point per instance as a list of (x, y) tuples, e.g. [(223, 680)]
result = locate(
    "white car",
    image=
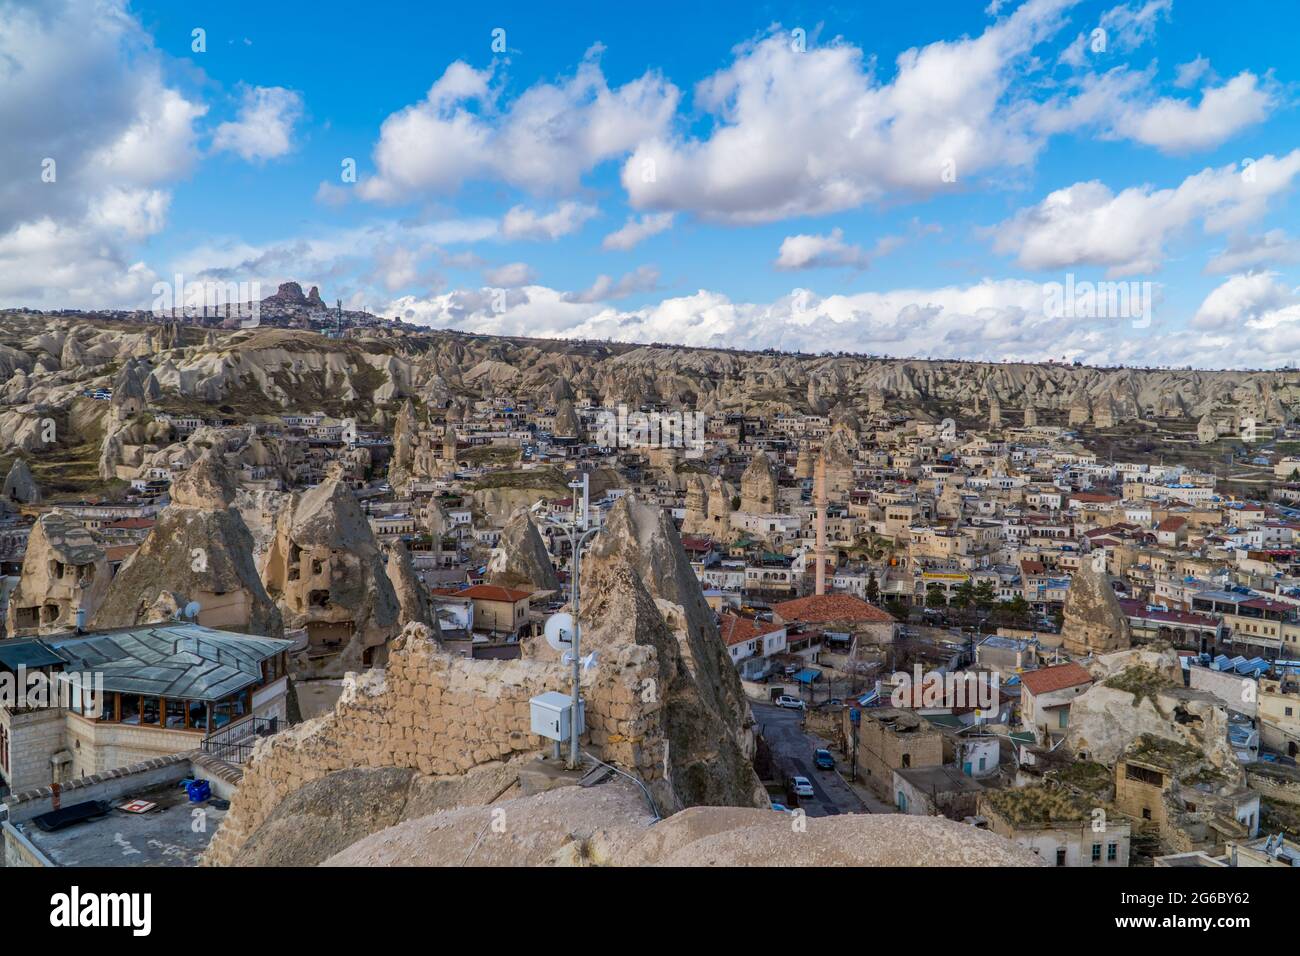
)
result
[(801, 786), (794, 703)]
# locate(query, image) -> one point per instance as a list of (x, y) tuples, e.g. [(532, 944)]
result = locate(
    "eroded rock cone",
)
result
[(65, 570), (326, 572), (521, 559), (20, 487), (1093, 622), (199, 551), (638, 588)]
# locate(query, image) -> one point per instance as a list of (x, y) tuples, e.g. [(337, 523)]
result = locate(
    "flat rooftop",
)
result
[(162, 837)]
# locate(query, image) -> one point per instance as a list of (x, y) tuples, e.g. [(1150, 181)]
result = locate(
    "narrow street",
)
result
[(792, 753)]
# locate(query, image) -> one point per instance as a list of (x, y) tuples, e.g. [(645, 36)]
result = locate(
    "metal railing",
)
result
[(234, 744)]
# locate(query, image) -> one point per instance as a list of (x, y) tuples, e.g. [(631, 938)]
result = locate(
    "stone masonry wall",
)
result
[(443, 715)]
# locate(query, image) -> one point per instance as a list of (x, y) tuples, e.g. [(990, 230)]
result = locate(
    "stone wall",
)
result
[(442, 715)]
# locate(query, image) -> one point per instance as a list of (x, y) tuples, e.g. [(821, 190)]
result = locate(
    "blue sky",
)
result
[(810, 176)]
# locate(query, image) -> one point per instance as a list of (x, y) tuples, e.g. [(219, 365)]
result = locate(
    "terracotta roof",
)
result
[(132, 523), (737, 630), (829, 608), (1048, 679), (486, 592), (1172, 523)]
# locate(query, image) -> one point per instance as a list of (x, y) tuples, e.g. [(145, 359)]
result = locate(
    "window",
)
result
[(198, 715), (1063, 718), (1060, 857), (1112, 852), (175, 711), (1096, 852), (130, 708)]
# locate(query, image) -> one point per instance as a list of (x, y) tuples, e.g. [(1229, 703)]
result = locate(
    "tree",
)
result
[(873, 589), (934, 596)]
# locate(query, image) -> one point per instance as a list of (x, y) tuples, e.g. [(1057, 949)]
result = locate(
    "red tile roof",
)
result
[(738, 630), (486, 592), (830, 608), (1048, 679)]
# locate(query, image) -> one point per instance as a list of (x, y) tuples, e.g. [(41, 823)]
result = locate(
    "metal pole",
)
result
[(577, 638)]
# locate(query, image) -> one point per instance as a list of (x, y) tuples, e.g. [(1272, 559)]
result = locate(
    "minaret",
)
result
[(819, 499)]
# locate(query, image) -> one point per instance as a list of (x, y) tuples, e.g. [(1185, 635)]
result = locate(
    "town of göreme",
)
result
[(855, 442)]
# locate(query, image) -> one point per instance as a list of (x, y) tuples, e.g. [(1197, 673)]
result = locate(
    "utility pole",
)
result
[(578, 532)]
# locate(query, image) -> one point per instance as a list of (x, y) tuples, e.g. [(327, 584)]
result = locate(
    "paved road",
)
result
[(792, 753)]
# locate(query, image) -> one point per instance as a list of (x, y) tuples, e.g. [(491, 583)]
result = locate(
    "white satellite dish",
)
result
[(559, 631), (191, 611)]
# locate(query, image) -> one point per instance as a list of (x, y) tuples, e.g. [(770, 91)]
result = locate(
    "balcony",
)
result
[(234, 743)]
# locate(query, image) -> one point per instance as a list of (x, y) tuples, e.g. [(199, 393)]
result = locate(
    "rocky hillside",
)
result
[(50, 367)]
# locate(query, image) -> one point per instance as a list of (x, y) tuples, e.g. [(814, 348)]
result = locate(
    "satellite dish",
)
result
[(559, 631), (191, 611)]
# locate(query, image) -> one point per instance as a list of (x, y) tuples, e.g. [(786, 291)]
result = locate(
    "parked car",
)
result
[(801, 786), (823, 760), (793, 703)]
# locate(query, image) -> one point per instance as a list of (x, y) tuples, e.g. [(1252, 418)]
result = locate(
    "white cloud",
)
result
[(804, 133), (604, 289), (81, 86), (1118, 104), (568, 217), (1087, 224), (1130, 26), (990, 319), (510, 275), (543, 141), (1243, 300), (263, 128), (813, 251), (638, 229), (1244, 252), (1187, 75), (1175, 126)]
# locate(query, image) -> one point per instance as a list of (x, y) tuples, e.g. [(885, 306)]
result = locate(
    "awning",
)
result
[(807, 675)]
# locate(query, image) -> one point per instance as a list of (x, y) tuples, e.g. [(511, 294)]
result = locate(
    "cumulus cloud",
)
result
[(1243, 301), (1088, 224), (93, 136), (1118, 104), (992, 319), (606, 289), (263, 127), (1246, 252), (511, 275), (568, 217), (543, 141), (819, 252), (637, 229), (799, 133), (1175, 126), (362, 264)]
